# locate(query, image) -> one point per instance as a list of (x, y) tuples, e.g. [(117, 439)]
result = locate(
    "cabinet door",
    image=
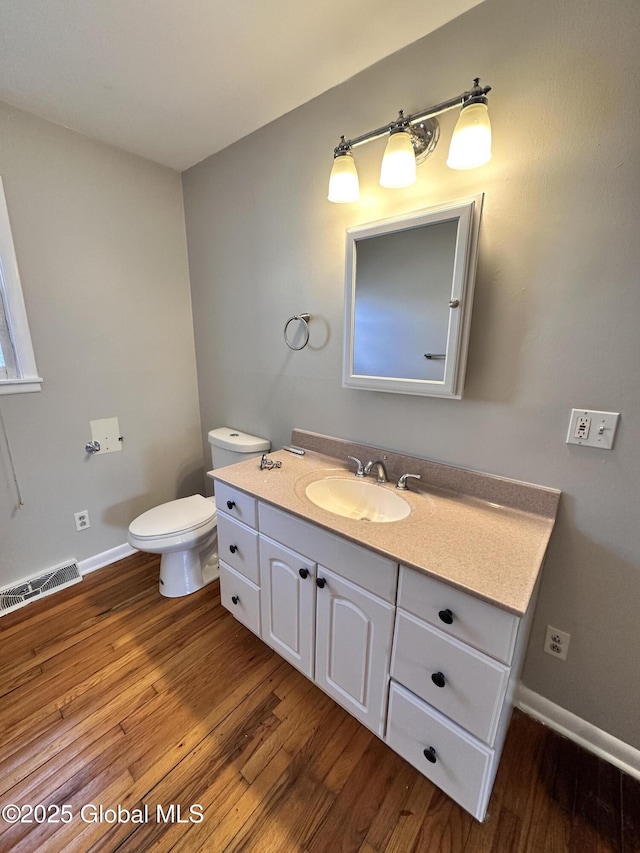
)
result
[(353, 641), (287, 583)]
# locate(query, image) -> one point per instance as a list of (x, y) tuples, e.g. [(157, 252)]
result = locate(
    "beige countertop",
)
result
[(492, 551)]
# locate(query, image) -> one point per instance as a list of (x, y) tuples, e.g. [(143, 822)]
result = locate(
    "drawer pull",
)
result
[(446, 616), (235, 599), (321, 583), (438, 679), (430, 754), (233, 548), (304, 573), (231, 504)]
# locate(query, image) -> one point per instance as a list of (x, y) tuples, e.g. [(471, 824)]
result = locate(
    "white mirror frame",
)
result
[(467, 212)]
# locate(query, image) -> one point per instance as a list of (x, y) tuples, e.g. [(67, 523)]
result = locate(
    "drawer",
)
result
[(238, 546), (467, 685), (372, 572), (482, 625), (237, 504), (240, 597), (462, 766)]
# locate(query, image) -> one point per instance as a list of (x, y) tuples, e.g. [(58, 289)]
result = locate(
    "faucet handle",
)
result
[(360, 471), (402, 482)]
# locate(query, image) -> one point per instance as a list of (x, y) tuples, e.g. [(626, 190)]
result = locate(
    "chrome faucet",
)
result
[(360, 471), (380, 470), (267, 463), (402, 482)]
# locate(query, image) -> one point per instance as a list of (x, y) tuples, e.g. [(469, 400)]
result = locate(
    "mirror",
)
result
[(408, 299)]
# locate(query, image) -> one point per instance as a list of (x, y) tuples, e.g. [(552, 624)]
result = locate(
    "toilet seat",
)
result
[(174, 518)]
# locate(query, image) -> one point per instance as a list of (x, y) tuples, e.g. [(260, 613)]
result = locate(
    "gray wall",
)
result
[(100, 242), (556, 311)]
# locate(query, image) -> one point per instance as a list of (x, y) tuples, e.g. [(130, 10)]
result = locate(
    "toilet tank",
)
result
[(230, 445)]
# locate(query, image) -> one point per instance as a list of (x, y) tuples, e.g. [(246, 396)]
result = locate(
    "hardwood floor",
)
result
[(115, 696)]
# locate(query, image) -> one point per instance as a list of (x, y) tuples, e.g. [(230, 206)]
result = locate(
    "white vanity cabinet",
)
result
[(427, 667)]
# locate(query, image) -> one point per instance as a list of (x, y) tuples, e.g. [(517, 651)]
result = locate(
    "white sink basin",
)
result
[(357, 499)]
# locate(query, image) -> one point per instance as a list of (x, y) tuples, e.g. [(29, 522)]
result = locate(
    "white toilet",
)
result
[(184, 530)]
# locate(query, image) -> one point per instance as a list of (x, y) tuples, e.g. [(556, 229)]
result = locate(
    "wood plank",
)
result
[(358, 801)]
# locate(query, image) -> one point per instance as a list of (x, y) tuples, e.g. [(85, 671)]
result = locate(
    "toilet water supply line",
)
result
[(13, 467)]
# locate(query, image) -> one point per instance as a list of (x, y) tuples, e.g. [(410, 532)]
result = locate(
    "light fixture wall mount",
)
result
[(470, 144)]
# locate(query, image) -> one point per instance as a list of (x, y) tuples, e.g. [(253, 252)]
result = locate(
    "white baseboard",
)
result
[(590, 737), (99, 561)]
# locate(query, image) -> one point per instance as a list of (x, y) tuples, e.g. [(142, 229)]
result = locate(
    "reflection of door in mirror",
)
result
[(402, 309)]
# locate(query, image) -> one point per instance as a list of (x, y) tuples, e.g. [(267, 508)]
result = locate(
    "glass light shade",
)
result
[(343, 182), (471, 141), (399, 162)]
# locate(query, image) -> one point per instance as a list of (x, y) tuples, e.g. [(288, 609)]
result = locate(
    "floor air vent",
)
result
[(20, 594)]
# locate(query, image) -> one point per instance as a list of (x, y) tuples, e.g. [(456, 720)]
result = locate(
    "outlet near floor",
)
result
[(556, 642), (82, 519)]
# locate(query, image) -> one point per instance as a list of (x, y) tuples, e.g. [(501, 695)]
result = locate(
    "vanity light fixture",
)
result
[(412, 138)]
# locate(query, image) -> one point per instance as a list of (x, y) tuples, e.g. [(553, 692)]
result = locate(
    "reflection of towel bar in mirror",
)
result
[(304, 320), (435, 355)]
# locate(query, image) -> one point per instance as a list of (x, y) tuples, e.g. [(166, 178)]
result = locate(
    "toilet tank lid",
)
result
[(240, 442)]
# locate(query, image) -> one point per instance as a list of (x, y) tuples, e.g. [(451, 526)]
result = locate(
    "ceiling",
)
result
[(178, 80)]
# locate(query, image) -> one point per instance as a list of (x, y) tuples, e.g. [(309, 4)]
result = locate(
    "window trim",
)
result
[(15, 312)]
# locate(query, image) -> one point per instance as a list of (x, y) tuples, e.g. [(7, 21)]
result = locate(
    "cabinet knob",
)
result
[(430, 754), (235, 599), (231, 504), (233, 548), (438, 679), (304, 573), (321, 582), (446, 616)]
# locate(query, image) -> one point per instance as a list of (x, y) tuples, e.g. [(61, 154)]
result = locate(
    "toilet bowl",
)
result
[(184, 531)]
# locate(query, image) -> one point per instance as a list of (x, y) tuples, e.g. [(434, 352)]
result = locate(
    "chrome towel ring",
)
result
[(304, 321)]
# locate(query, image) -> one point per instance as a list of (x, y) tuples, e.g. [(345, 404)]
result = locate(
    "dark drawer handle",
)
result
[(231, 504), (446, 616), (233, 548), (235, 599), (430, 755), (321, 582), (304, 573), (438, 679)]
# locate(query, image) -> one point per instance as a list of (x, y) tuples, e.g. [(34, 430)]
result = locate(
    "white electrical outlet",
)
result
[(556, 642), (82, 519), (592, 429)]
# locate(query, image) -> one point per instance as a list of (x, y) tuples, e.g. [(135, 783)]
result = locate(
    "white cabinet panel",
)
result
[(353, 641), (488, 628), (240, 597), (454, 760), (239, 505), (238, 546), (287, 583), (463, 683)]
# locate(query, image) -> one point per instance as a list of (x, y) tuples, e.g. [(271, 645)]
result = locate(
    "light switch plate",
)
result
[(107, 433), (592, 429)]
